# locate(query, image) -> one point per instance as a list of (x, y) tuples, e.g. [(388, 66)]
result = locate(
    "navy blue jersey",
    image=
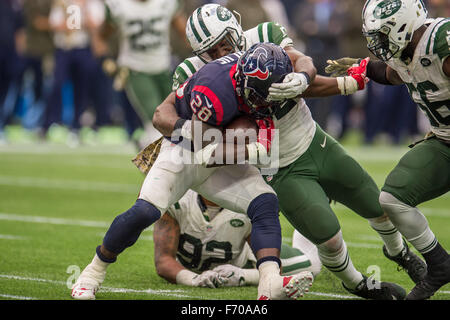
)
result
[(210, 93)]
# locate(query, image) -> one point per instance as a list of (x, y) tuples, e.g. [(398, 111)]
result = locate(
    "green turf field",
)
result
[(57, 202)]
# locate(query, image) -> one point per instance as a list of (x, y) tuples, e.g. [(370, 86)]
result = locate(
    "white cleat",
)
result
[(85, 289), (88, 283), (285, 287)]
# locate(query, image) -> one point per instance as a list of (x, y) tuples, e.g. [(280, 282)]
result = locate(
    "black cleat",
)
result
[(407, 260), (369, 288), (437, 276)]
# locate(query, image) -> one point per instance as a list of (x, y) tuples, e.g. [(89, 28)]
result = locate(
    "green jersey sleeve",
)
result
[(185, 70), (275, 33), (441, 45)]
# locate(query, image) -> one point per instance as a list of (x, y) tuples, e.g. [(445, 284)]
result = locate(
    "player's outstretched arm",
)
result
[(166, 234), (294, 83)]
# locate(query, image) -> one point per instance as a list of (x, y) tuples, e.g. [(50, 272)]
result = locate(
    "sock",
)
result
[(334, 256), (95, 270), (97, 265), (435, 256), (268, 268), (389, 234)]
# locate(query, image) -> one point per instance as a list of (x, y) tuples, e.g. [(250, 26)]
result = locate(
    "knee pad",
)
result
[(266, 228), (127, 227)]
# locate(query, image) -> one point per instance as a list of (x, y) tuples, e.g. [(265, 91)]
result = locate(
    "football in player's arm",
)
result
[(414, 51), (198, 243)]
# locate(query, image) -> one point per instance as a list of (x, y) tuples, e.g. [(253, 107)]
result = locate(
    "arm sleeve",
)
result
[(441, 45), (275, 33)]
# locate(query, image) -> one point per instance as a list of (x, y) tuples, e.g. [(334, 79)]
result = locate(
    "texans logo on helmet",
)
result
[(252, 66)]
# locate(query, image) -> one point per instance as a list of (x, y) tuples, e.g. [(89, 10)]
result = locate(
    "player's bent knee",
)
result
[(266, 228), (126, 227), (391, 205)]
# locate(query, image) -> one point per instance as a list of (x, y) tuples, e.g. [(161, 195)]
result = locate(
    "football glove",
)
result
[(265, 127), (209, 278), (340, 66), (293, 84), (234, 275), (359, 72)]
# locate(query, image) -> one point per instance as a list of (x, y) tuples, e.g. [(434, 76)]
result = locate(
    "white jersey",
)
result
[(295, 128), (204, 244), (144, 27), (428, 86)]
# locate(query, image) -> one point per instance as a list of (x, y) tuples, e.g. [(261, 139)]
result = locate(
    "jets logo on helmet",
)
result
[(386, 9), (252, 66), (223, 14)]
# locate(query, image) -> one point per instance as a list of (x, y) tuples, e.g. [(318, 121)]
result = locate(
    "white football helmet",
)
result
[(210, 24), (388, 25)]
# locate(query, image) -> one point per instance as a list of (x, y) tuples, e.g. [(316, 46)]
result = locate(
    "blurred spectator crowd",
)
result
[(55, 83)]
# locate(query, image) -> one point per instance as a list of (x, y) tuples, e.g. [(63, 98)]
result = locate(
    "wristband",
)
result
[(308, 78), (185, 277)]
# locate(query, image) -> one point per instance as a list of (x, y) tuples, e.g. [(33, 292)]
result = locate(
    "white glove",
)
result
[(234, 275), (293, 85), (209, 279)]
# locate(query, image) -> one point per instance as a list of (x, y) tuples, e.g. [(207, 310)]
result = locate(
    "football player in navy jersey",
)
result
[(209, 96)]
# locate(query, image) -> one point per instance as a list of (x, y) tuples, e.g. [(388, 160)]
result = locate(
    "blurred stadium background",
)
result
[(65, 174)]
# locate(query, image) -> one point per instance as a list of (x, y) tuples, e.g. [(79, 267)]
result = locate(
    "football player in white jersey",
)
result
[(198, 243), (414, 51), (300, 135), (144, 51)]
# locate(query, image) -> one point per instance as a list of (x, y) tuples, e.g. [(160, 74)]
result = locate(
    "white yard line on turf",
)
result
[(80, 185), (9, 296), (172, 293), (125, 150), (11, 237), (58, 221)]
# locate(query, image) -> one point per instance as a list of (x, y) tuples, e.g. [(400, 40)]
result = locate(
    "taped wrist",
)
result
[(185, 127), (347, 85), (185, 277), (376, 71)]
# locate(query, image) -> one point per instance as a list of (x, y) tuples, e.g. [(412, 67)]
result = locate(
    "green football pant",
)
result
[(324, 172), (146, 91), (422, 174)]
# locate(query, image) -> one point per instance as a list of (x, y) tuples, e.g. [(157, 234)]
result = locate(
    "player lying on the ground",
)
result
[(197, 243), (313, 167), (415, 51)]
